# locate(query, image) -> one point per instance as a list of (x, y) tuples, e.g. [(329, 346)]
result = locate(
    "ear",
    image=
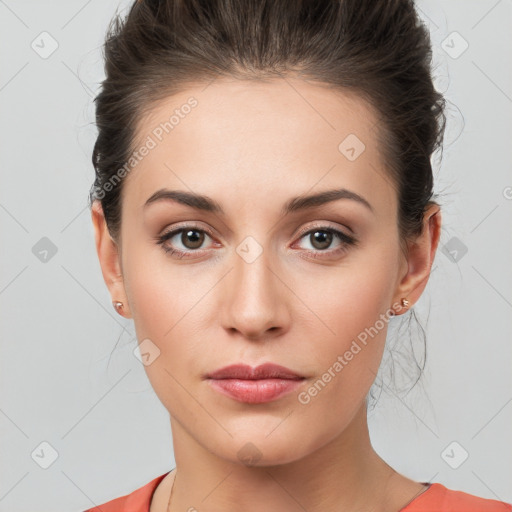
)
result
[(109, 257), (420, 257)]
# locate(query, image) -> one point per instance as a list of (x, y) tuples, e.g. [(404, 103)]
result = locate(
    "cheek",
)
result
[(165, 310), (349, 299), (354, 307), (171, 306), (347, 361), (358, 320), (160, 291)]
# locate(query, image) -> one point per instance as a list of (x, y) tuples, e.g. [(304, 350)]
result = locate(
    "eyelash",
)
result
[(346, 241)]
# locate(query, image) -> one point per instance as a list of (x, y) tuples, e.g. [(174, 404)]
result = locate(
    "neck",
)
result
[(344, 474)]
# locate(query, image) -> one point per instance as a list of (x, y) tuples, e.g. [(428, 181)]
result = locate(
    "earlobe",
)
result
[(420, 258), (109, 258)]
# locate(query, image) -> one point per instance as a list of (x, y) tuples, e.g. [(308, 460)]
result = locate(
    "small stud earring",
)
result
[(405, 303), (118, 306)]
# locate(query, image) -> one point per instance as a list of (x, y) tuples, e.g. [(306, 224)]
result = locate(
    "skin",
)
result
[(287, 307)]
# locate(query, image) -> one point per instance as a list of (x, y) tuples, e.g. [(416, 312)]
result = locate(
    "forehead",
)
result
[(284, 136)]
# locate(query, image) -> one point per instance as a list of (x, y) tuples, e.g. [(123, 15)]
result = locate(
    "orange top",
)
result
[(437, 498)]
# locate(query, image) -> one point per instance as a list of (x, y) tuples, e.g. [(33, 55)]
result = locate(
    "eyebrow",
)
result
[(205, 203)]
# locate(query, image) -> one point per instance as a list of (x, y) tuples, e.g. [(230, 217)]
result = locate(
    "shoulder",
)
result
[(438, 498), (137, 501)]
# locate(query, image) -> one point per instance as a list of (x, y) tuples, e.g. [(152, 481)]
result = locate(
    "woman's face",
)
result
[(251, 282)]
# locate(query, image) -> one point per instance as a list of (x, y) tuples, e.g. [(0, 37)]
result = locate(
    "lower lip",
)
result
[(255, 391)]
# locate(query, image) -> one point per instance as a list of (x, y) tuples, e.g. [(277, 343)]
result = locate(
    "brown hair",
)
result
[(379, 50)]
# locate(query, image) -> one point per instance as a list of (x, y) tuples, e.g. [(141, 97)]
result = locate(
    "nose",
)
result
[(255, 299)]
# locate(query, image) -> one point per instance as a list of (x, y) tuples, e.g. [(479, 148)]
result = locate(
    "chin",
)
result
[(260, 450)]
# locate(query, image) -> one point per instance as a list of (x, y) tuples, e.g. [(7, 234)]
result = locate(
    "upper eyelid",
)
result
[(324, 227), (189, 225), (319, 225)]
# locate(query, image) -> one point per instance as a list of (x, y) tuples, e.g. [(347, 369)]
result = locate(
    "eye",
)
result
[(322, 237), (191, 239)]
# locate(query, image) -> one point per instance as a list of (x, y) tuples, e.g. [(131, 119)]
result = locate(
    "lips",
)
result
[(264, 383), (245, 372)]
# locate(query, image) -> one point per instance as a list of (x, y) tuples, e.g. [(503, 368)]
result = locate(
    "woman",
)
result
[(263, 207)]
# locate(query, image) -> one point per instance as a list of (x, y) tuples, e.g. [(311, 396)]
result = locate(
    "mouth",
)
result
[(264, 383)]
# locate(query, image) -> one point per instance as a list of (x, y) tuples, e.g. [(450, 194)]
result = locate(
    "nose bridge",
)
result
[(255, 295)]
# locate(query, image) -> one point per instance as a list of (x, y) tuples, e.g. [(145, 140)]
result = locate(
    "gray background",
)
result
[(58, 327)]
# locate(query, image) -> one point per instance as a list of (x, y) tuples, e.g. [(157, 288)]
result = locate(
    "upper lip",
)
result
[(263, 371)]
